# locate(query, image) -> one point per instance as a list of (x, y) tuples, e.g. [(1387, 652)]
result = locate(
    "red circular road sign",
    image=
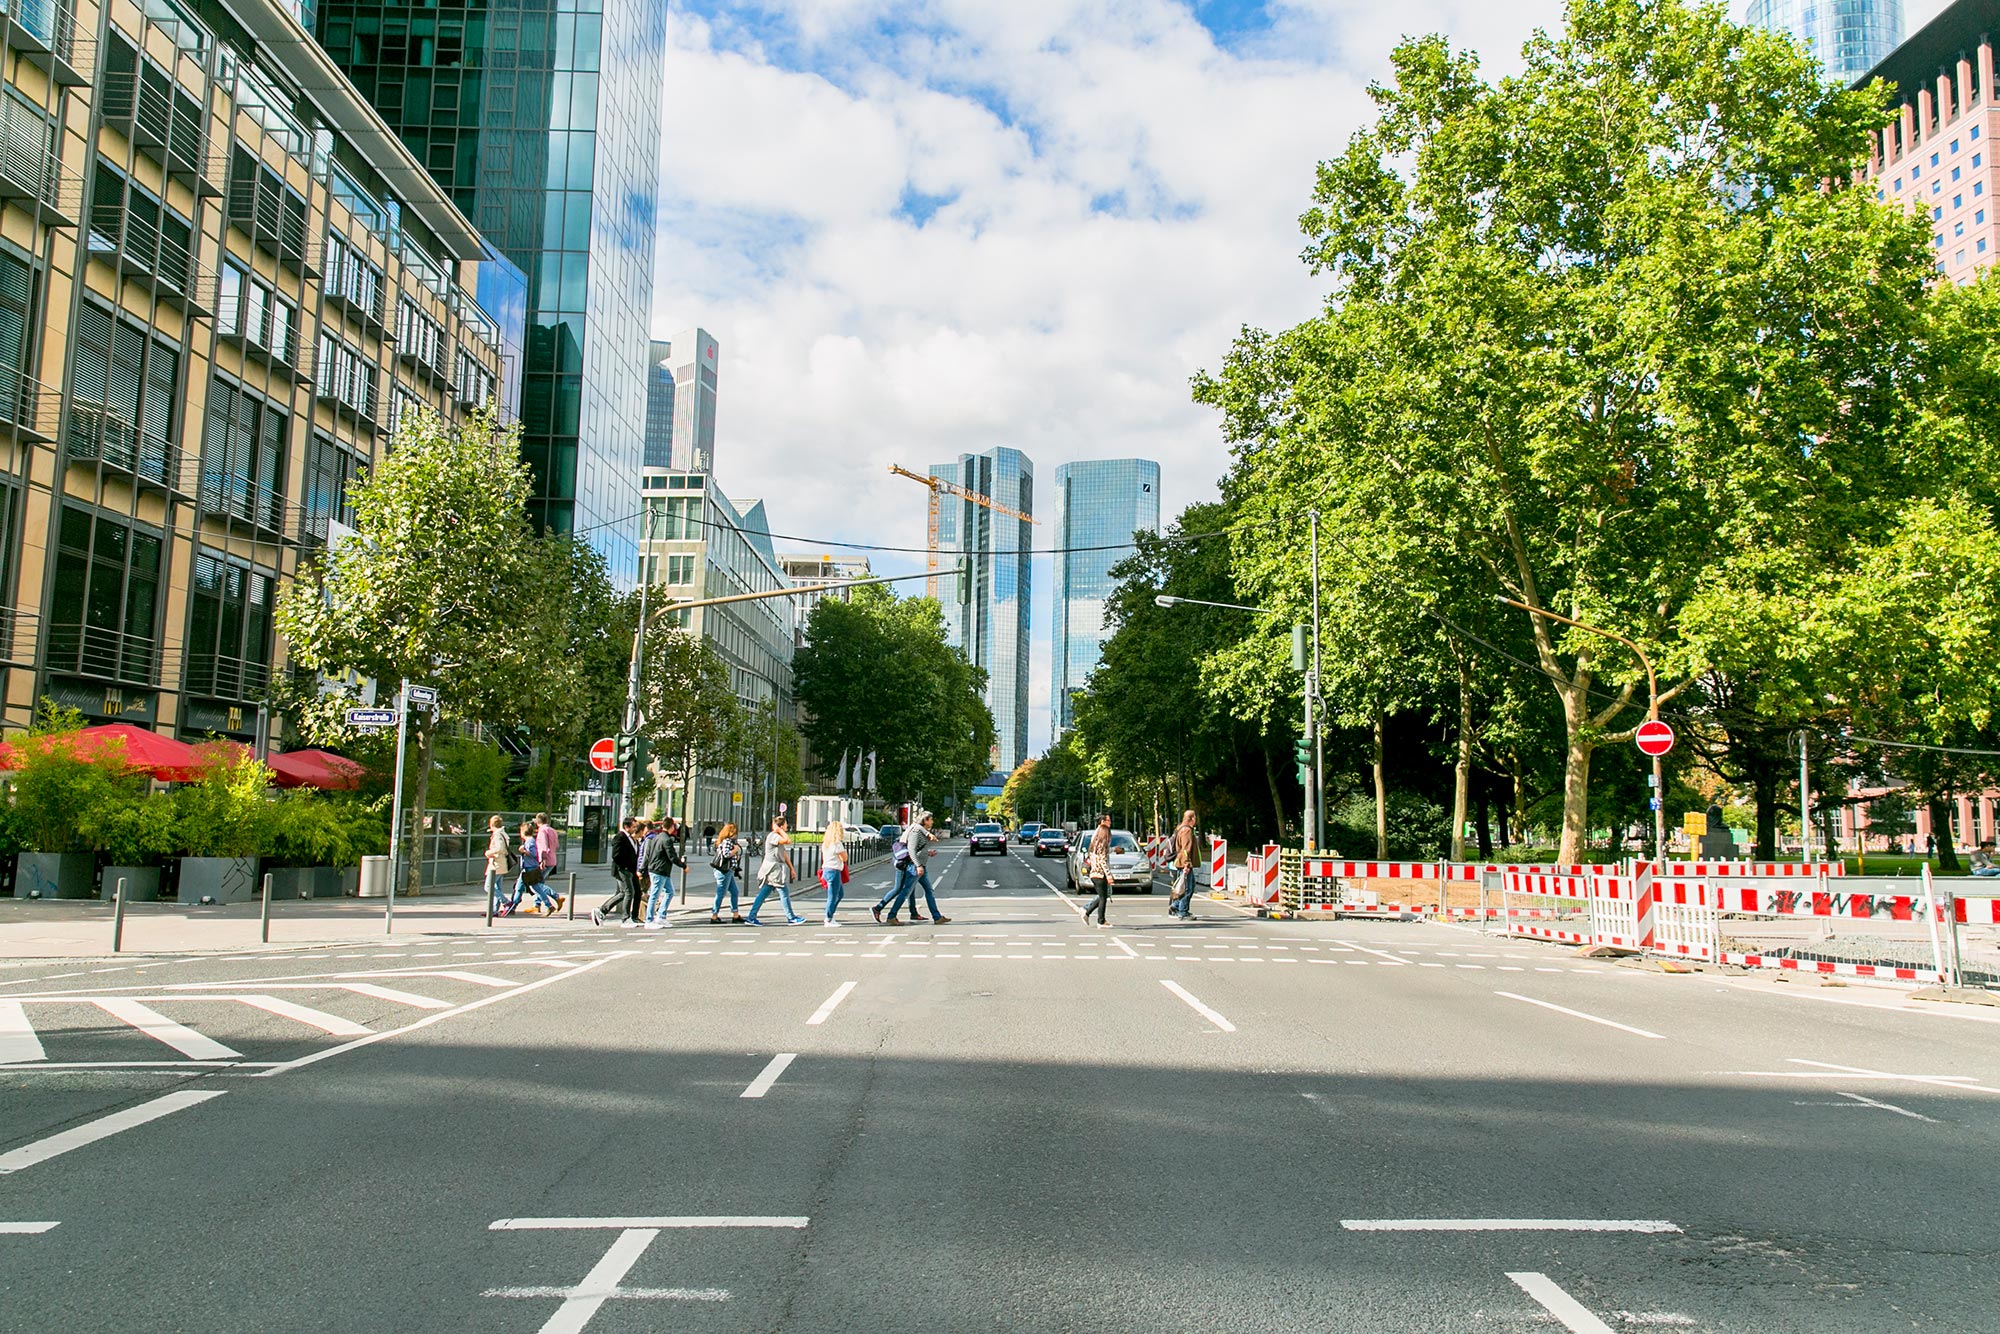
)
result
[(604, 755), (1654, 737)]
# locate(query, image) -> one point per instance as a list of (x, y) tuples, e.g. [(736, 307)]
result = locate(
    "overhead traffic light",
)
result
[(628, 748)]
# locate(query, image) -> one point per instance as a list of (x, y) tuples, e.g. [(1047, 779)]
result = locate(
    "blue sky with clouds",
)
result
[(921, 229)]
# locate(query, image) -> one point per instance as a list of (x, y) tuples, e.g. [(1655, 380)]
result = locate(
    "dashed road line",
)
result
[(1579, 1014), (102, 1128), (1199, 1008), (769, 1075)]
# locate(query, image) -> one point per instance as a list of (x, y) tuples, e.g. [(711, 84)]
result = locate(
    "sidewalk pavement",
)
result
[(81, 928)]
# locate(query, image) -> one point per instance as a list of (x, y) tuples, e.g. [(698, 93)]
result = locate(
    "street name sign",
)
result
[(1654, 737), (371, 717), (604, 754), (424, 695)]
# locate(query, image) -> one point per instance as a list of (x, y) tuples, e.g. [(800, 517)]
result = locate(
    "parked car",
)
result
[(1129, 868), (1027, 832), (1051, 842), (988, 838), (891, 832)]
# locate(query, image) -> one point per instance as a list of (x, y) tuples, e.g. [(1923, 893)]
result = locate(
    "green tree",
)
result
[(876, 677), (1593, 330), (584, 630), (688, 712), (433, 589)]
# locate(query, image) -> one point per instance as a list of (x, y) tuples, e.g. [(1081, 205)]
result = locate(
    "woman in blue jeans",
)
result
[(727, 856), (833, 867)]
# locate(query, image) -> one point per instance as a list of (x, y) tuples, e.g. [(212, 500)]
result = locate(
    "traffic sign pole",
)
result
[(396, 812)]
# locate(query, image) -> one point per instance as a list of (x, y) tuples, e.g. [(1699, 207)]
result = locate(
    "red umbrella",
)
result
[(143, 751), (314, 768)]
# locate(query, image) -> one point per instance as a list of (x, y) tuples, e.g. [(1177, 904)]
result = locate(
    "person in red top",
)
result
[(545, 844)]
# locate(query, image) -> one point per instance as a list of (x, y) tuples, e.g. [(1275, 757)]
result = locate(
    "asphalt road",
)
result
[(1011, 1122)]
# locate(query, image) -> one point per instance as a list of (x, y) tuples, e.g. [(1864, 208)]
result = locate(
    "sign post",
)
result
[(1655, 738), (396, 813)]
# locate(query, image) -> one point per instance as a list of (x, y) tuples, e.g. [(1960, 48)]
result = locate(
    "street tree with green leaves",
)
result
[(427, 591), (690, 714), (876, 676), (1594, 331)]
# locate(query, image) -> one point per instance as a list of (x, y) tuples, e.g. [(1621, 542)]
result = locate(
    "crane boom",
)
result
[(938, 486)]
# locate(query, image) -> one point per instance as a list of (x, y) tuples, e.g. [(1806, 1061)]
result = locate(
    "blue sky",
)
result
[(921, 229)]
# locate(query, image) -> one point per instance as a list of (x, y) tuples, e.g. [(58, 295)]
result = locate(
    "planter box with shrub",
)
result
[(223, 879), (142, 883), (56, 875)]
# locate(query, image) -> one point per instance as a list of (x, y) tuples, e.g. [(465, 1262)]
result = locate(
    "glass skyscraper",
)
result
[(541, 118), (1100, 503), (660, 405), (990, 622), (1850, 37)]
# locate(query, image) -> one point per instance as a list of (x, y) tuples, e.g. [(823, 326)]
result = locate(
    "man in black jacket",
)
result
[(661, 856), (625, 871)]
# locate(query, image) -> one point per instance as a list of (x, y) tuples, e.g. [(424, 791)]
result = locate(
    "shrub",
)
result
[(137, 831), (1417, 828), (56, 790), (224, 813), (305, 828)]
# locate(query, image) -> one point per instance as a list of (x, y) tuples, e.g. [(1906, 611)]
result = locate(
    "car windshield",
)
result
[(1123, 842), (986, 829), (1051, 833)]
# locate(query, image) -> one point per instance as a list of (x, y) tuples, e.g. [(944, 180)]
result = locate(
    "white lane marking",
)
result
[(832, 1003), (641, 1294), (102, 1128), (17, 1036), (595, 1289), (429, 1019), (392, 994), (1508, 1225), (1123, 946), (26, 1229), (157, 1026), (667, 1221), (1579, 1014), (1573, 1314), (769, 1076), (1856, 1101), (1197, 1006), (305, 1014)]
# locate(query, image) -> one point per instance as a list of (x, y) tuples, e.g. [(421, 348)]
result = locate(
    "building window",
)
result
[(1958, 201), (1899, 185), (1981, 247), (243, 457), (1937, 242), (127, 220), (418, 335), (103, 618), (1934, 159), (1937, 187), (1955, 172), (250, 309), (1937, 215), (330, 474), (343, 376), (1976, 157), (17, 303), (1958, 229), (1978, 189), (352, 277), (1979, 216), (401, 401), (1960, 259), (472, 382), (229, 630), (1954, 147), (1975, 133), (122, 388)]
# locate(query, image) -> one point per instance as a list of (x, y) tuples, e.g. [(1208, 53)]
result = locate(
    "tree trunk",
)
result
[(1764, 786), (1461, 786), (1576, 781), (1947, 840), (1506, 833), (420, 791), (1381, 795), (1277, 793)]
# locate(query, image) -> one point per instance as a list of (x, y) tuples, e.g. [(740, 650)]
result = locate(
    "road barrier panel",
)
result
[(1687, 919), (1740, 870), (1532, 895), (1266, 875), (1218, 865)]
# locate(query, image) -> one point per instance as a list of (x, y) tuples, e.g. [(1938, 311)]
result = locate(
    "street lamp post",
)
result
[(1652, 712), (1312, 785)]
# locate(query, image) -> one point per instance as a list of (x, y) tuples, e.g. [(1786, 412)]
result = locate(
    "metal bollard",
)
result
[(492, 889), (264, 913), (1951, 935), (118, 916), (572, 896)]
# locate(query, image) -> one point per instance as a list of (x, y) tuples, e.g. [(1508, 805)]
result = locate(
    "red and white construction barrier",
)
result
[(1218, 865), (1755, 870), (1894, 971), (1264, 883), (1621, 909)]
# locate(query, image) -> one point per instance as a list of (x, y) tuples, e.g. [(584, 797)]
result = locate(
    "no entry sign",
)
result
[(604, 755), (1654, 737)]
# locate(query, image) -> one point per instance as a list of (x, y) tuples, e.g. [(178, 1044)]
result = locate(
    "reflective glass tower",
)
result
[(1850, 37), (660, 406), (990, 622), (541, 118), (1099, 504)]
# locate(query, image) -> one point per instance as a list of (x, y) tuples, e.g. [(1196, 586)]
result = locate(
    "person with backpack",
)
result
[(912, 851), (775, 873), (662, 855), (531, 877), (500, 864), (725, 862)]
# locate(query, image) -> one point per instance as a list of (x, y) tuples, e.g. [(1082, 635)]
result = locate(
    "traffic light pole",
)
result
[(1316, 828), (626, 743)]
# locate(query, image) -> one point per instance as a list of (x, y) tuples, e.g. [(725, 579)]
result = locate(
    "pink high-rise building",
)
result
[(1937, 158)]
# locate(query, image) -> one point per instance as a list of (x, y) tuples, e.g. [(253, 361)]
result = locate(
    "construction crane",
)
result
[(938, 487)]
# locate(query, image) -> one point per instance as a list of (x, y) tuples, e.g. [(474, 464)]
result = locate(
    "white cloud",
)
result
[(1101, 195)]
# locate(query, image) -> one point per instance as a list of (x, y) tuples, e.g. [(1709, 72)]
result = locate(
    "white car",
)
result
[(1129, 868)]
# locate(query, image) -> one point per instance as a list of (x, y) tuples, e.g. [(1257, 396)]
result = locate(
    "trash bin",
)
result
[(374, 878)]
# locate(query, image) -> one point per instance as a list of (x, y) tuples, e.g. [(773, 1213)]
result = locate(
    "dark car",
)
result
[(988, 838), (1051, 842)]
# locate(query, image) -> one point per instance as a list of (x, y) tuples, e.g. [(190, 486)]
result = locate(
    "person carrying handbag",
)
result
[(727, 859), (775, 873), (833, 867), (1099, 868)]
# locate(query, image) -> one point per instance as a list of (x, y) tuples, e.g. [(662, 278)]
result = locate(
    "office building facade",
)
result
[(541, 119), (1099, 504), (694, 358), (1936, 159), (223, 281), (699, 543), (988, 614), (821, 570), (1849, 37), (659, 406)]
